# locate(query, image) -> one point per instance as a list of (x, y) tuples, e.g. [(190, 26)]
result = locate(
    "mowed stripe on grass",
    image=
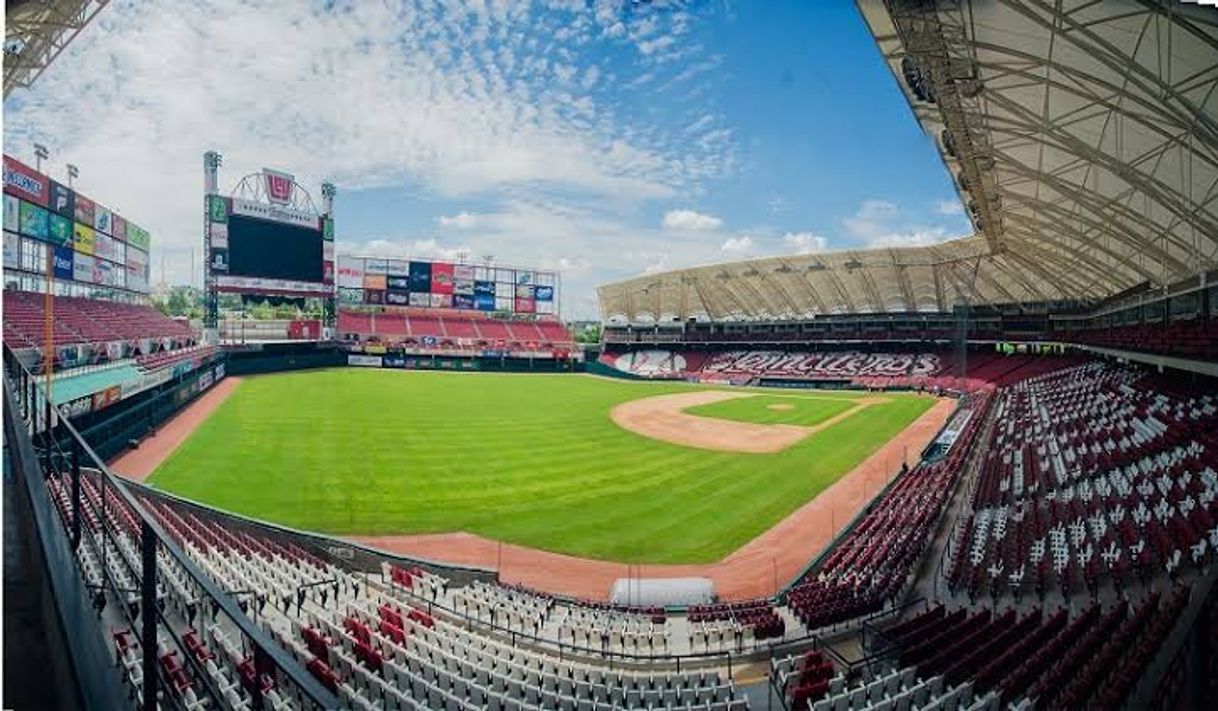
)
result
[(805, 411), (530, 459)]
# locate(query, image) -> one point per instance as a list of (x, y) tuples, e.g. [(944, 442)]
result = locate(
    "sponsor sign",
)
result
[(137, 236), (463, 286), (219, 260), (393, 361), (107, 397), (525, 306), (484, 287), (12, 250), (12, 213), (397, 298), (397, 281), (441, 301), (33, 221), (86, 210), (279, 186), (376, 266), (350, 272), (374, 296), (101, 272), (441, 278), (218, 234), (59, 229), (463, 271), (79, 406), (83, 238), (137, 258), (523, 277), (364, 361), (63, 263), (275, 213), (217, 208), (25, 182), (327, 275), (484, 302), (350, 296), (327, 251), (118, 227), (418, 299), (544, 293), (524, 291), (327, 229), (375, 281), (463, 301), (101, 220), (420, 277), (62, 201)]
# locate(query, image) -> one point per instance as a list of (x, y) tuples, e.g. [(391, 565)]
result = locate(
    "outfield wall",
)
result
[(440, 361)]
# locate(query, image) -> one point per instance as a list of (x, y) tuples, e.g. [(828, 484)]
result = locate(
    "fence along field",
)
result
[(529, 459)]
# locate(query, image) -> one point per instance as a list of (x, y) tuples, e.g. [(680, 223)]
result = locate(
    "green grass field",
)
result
[(805, 411), (530, 459)]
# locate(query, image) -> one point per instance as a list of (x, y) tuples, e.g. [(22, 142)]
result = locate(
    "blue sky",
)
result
[(604, 139)]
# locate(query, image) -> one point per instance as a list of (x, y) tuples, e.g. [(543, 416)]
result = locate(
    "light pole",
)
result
[(40, 153), (73, 172)]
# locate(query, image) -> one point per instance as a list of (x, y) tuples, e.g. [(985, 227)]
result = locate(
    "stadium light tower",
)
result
[(73, 172), (40, 153)]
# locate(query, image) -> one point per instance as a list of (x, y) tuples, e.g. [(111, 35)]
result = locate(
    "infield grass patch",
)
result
[(803, 410), (530, 459)]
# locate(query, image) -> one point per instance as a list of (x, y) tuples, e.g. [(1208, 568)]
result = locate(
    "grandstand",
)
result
[(1052, 546)]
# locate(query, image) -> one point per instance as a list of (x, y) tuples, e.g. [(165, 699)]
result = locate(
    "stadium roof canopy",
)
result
[(1082, 136), (36, 31)]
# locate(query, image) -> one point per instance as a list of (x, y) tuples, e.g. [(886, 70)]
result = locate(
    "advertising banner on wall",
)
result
[(524, 291), (376, 266), (25, 182), (441, 301), (364, 361), (327, 272), (420, 299), (374, 296), (544, 293), (484, 302), (463, 301), (102, 271), (375, 281), (59, 229), (138, 236), (397, 281), (118, 228), (12, 247), (82, 267), (137, 278), (86, 210), (101, 220), (62, 201), (350, 272), (63, 262), (484, 287), (83, 238), (420, 277), (441, 278), (107, 397), (219, 260), (33, 221), (350, 296), (327, 229), (463, 286), (397, 298), (523, 277), (525, 306), (12, 213)]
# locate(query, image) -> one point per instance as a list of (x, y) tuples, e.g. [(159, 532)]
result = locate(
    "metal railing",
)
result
[(126, 559)]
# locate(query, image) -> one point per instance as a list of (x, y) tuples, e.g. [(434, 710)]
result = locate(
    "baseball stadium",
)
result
[(974, 472)]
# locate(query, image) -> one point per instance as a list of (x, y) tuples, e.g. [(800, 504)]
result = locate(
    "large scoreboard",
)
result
[(262, 241), (437, 284), (88, 244)]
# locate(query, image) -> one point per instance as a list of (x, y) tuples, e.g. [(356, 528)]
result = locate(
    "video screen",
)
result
[(273, 250)]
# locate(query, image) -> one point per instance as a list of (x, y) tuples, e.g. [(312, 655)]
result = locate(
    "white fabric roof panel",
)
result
[(1082, 135)]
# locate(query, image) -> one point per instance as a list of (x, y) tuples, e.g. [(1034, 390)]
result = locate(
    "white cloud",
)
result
[(737, 245), (462, 220), (449, 102), (690, 220), (868, 222), (913, 238), (881, 223), (805, 242), (949, 207)]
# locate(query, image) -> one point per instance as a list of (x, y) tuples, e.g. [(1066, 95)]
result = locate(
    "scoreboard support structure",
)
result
[(286, 243)]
